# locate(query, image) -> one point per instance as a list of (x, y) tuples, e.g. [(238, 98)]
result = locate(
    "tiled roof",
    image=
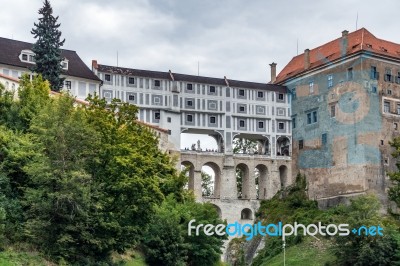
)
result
[(11, 49), (359, 40), (188, 78)]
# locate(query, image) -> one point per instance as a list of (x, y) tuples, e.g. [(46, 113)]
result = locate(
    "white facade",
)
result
[(217, 108)]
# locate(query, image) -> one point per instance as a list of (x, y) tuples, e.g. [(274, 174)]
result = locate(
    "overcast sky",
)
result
[(236, 38)]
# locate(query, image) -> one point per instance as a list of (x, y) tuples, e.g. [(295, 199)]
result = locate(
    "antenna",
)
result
[(117, 58), (357, 21), (198, 68)]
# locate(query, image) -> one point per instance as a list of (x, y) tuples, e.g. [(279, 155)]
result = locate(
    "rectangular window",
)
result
[(131, 97), (32, 59), (315, 117), (281, 125), (169, 119), (260, 94), (241, 92), (330, 81), (281, 97), (311, 85), (350, 73), (301, 144), (24, 57), (212, 89), (333, 110), (398, 78), (374, 73), (189, 103), (386, 107), (389, 92), (241, 109), (388, 75), (107, 77), (189, 86), (131, 80), (324, 139), (68, 84), (157, 115), (241, 123), (157, 83), (189, 118), (312, 117), (294, 122), (260, 124), (212, 119), (398, 109)]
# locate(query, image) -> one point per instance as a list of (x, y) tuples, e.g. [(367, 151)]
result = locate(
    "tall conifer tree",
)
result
[(47, 47)]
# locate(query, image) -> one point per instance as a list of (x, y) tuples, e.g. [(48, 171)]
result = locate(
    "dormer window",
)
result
[(64, 64), (27, 56)]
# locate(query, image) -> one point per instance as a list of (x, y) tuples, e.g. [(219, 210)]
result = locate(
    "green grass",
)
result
[(130, 258), (14, 258), (311, 252)]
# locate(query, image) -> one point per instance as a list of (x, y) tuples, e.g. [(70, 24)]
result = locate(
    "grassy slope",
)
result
[(310, 252), (10, 257)]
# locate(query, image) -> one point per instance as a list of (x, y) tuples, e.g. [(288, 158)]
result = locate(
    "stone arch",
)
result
[(246, 214), (262, 181), (217, 178), (190, 173), (283, 175), (242, 170), (218, 209), (283, 146)]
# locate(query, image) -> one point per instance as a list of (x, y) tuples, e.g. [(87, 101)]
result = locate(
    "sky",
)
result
[(216, 38)]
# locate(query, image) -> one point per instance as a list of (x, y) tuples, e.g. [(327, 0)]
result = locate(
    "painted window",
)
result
[(330, 81), (386, 107)]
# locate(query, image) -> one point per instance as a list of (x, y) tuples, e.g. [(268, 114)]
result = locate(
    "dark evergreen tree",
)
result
[(47, 47)]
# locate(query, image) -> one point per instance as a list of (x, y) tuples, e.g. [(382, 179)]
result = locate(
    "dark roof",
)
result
[(357, 41), (189, 78), (11, 49)]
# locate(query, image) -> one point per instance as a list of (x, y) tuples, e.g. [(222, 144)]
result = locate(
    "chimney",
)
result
[(344, 43), (306, 58), (273, 72), (94, 64)]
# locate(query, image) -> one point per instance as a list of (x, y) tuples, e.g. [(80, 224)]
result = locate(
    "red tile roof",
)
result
[(359, 40)]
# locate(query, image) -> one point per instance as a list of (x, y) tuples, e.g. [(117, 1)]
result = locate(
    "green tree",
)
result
[(241, 145), (394, 189), (132, 174), (47, 47), (368, 250), (59, 201), (167, 242), (207, 184)]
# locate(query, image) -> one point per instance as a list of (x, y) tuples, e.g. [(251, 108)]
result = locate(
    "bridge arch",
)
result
[(217, 179), (243, 181), (262, 172), (283, 175), (189, 167), (246, 214), (283, 146)]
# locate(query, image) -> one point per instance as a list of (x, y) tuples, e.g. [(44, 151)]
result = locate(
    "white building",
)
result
[(16, 58), (223, 108)]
